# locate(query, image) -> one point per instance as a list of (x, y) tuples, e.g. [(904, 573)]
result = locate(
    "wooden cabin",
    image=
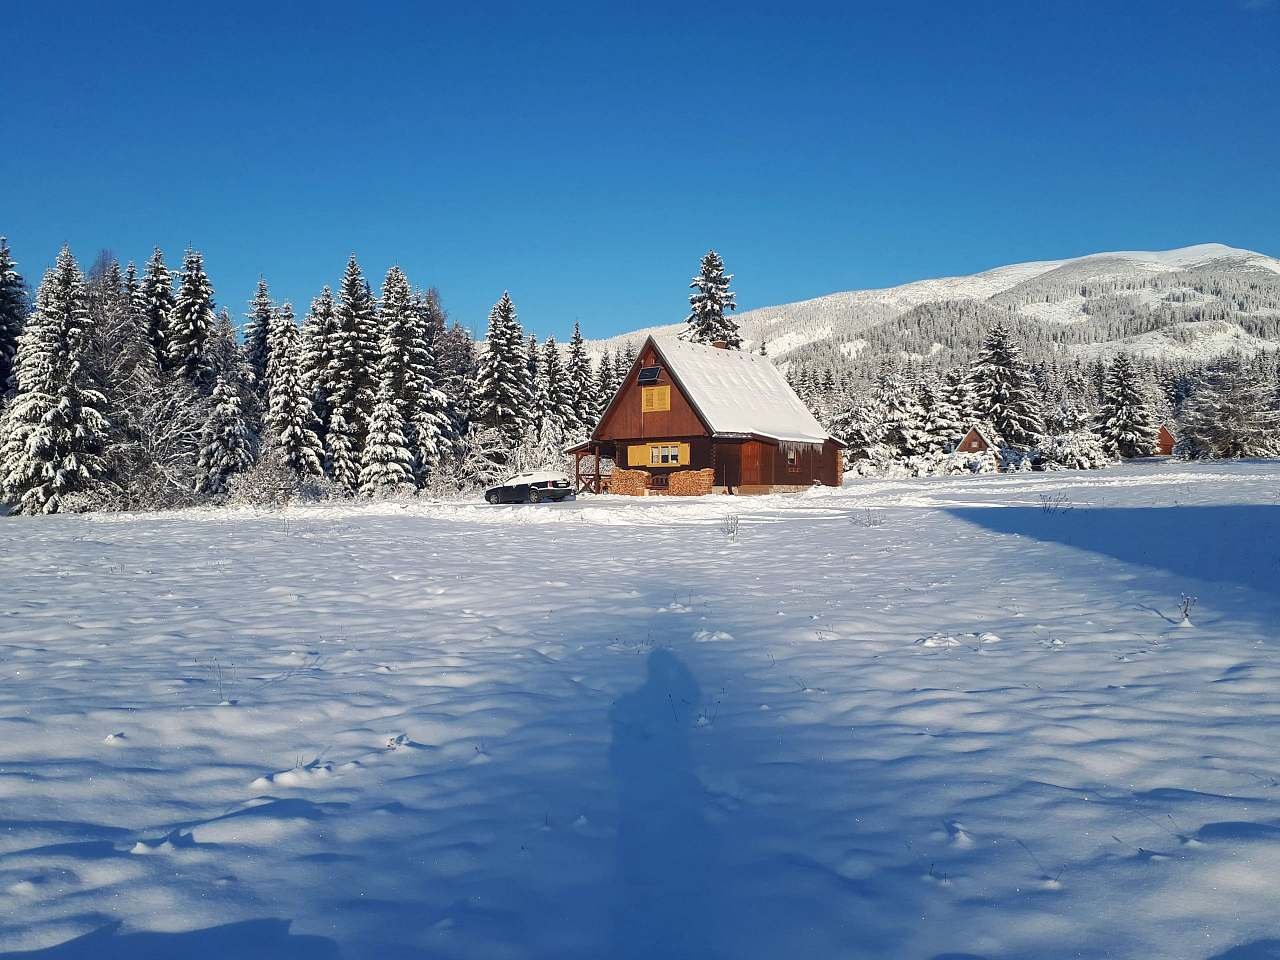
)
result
[(975, 441), (1165, 441), (696, 407)]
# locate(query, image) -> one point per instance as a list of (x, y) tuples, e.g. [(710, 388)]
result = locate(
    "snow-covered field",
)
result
[(915, 719)]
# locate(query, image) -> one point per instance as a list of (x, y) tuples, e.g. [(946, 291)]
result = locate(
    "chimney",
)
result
[(720, 344)]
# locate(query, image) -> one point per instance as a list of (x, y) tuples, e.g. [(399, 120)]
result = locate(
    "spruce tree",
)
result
[(141, 360), (291, 421), (387, 465), (902, 423), (1124, 422), (1005, 391), (559, 416), (707, 322), (353, 361), (13, 314), (942, 423), (281, 356), (502, 393), (315, 369), (226, 444), (425, 406), (581, 386), (537, 392), (52, 434), (256, 335), (605, 385), (156, 304), (1230, 413), (191, 322)]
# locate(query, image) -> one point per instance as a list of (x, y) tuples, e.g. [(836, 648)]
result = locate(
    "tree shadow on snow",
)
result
[(250, 940), (666, 851), (1234, 543), (1258, 950)]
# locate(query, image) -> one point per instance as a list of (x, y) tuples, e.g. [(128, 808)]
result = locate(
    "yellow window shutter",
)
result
[(638, 455), (684, 454), (655, 399)]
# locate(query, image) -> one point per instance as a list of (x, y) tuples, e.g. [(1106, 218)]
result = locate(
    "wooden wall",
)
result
[(626, 421)]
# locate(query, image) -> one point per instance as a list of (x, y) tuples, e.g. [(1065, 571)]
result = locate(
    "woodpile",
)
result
[(629, 483), (691, 483)]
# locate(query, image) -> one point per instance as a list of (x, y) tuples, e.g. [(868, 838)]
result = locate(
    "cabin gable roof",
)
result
[(733, 394)]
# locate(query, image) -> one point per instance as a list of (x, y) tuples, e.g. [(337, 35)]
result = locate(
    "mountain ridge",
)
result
[(1180, 289)]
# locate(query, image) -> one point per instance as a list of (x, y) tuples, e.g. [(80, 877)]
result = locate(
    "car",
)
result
[(536, 487)]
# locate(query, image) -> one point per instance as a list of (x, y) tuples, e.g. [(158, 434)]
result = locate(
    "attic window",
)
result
[(648, 375)]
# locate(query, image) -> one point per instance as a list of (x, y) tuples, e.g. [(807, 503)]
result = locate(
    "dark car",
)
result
[(531, 488)]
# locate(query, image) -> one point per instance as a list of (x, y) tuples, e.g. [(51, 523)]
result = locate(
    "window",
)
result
[(655, 399), (663, 454), (648, 375), (793, 459)]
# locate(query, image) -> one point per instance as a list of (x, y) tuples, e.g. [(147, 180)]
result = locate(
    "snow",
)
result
[(739, 392), (902, 718), (838, 316)]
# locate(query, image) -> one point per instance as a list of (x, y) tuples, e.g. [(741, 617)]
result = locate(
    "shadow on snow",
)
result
[(1236, 544), (250, 940)]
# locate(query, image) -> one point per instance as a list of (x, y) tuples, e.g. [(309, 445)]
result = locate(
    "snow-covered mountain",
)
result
[(1192, 302)]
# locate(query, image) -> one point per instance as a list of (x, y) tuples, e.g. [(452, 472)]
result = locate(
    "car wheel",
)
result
[(535, 496), (491, 497)]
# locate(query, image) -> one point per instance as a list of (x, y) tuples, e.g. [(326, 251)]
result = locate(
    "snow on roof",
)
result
[(737, 392), (984, 432)]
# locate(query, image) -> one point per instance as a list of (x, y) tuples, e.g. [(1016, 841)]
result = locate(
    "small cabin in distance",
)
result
[(699, 407), (1165, 441), (975, 440)]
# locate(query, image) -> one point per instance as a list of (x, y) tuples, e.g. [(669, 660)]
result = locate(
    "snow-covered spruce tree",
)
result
[(425, 404), (1005, 391), (1125, 423), (52, 434), (290, 420), (537, 389), (315, 360), (707, 322), (1230, 414), (502, 393), (606, 384), (387, 467), (156, 301), (226, 444), (13, 314), (191, 321), (902, 419), (352, 366), (859, 422), (942, 425), (408, 366), (256, 336), (281, 353), (581, 388), (559, 416), (121, 363), (958, 392)]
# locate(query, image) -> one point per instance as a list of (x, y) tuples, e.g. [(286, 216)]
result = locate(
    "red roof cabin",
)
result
[(1165, 441), (699, 407)]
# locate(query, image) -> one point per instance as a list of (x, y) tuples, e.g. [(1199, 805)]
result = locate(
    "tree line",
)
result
[(910, 411), (127, 389)]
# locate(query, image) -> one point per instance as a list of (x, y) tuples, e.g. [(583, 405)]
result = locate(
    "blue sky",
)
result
[(584, 157)]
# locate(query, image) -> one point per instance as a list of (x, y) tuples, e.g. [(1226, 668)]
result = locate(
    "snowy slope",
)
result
[(839, 317), (907, 719)]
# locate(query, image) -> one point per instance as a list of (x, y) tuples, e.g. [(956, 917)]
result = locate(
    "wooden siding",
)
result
[(626, 420)]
